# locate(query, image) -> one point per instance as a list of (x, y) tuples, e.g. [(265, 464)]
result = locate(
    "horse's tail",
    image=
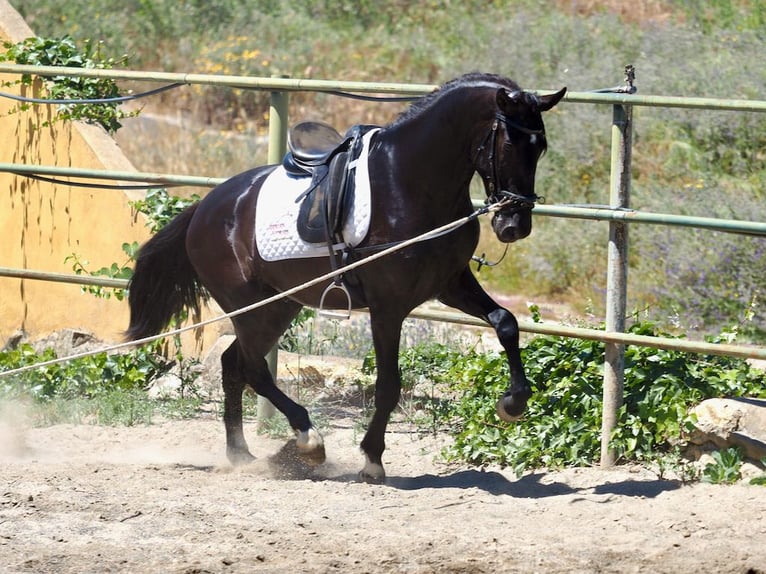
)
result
[(164, 282)]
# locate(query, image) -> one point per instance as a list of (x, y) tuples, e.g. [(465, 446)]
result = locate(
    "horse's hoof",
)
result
[(311, 446), (239, 457), (510, 408), (504, 416), (372, 473)]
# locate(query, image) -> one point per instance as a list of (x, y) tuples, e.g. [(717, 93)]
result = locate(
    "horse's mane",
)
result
[(472, 79)]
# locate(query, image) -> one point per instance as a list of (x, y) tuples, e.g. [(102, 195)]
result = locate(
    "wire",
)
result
[(116, 99), (371, 98), (95, 185)]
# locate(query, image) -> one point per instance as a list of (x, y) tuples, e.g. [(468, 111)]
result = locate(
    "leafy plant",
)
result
[(65, 53), (725, 468), (85, 377), (159, 207), (562, 424), (114, 271), (674, 465), (104, 389)]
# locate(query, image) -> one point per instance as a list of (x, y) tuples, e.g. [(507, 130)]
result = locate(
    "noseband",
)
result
[(515, 201)]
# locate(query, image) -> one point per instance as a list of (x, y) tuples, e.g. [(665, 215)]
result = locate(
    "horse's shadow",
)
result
[(288, 464), (528, 486)]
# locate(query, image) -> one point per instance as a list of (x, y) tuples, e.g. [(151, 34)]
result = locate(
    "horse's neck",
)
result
[(438, 144)]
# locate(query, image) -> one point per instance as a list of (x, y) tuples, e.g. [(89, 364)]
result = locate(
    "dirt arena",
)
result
[(163, 498)]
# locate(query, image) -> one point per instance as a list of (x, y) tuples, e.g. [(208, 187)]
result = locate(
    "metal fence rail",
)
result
[(618, 213), (311, 85), (593, 213), (458, 318)]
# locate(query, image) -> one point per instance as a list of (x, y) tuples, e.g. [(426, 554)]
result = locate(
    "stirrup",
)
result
[(336, 314)]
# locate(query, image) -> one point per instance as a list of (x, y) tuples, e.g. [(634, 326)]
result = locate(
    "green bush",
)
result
[(87, 377), (562, 424), (725, 468), (99, 389), (65, 53)]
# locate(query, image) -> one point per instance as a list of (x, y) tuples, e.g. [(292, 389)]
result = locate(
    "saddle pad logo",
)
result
[(276, 215)]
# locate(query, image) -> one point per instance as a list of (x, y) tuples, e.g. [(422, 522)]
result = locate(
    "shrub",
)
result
[(562, 424), (88, 377), (64, 52)]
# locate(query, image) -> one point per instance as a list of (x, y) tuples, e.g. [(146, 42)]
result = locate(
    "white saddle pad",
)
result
[(276, 216)]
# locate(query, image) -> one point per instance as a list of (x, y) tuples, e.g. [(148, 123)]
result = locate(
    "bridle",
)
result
[(515, 201)]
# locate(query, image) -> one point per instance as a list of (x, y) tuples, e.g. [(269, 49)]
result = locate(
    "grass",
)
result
[(703, 163), (117, 408)]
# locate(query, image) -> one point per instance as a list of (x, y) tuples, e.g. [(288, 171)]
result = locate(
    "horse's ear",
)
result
[(547, 102), (507, 100)]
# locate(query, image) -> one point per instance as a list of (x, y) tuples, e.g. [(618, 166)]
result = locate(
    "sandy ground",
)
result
[(162, 498)]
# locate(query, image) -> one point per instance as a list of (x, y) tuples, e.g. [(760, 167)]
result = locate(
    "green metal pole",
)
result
[(617, 278), (277, 126), (277, 147)]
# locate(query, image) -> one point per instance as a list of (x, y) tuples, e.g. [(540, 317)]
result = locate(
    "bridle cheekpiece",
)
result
[(495, 195)]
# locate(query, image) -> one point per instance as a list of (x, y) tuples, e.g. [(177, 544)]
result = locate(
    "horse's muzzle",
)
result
[(510, 227)]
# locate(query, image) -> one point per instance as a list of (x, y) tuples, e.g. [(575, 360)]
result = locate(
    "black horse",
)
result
[(420, 168)]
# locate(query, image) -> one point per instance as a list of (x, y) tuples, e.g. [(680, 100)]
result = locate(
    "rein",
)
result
[(493, 204), (482, 261), (383, 251)]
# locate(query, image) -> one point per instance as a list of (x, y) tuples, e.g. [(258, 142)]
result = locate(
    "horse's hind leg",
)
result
[(233, 386), (242, 366)]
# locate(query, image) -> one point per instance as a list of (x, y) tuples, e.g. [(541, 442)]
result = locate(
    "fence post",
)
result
[(277, 148), (617, 276)]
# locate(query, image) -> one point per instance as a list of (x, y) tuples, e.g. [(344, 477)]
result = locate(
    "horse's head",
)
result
[(507, 159)]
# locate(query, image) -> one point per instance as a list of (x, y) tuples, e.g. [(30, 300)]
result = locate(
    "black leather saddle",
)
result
[(310, 145), (318, 151)]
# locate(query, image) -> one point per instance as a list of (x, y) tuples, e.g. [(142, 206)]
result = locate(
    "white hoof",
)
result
[(310, 446), (372, 472), (309, 440)]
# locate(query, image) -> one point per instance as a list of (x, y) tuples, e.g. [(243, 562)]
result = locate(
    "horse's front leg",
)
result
[(465, 293), (510, 407), (386, 333)]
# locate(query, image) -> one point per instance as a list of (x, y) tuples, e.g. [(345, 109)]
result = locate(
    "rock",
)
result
[(168, 385), (732, 422), (211, 365), (16, 338), (66, 342), (748, 471)]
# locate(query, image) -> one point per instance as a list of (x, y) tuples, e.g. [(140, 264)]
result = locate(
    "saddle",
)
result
[(318, 151)]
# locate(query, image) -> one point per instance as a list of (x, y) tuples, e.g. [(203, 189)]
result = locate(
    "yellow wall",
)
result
[(43, 223)]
